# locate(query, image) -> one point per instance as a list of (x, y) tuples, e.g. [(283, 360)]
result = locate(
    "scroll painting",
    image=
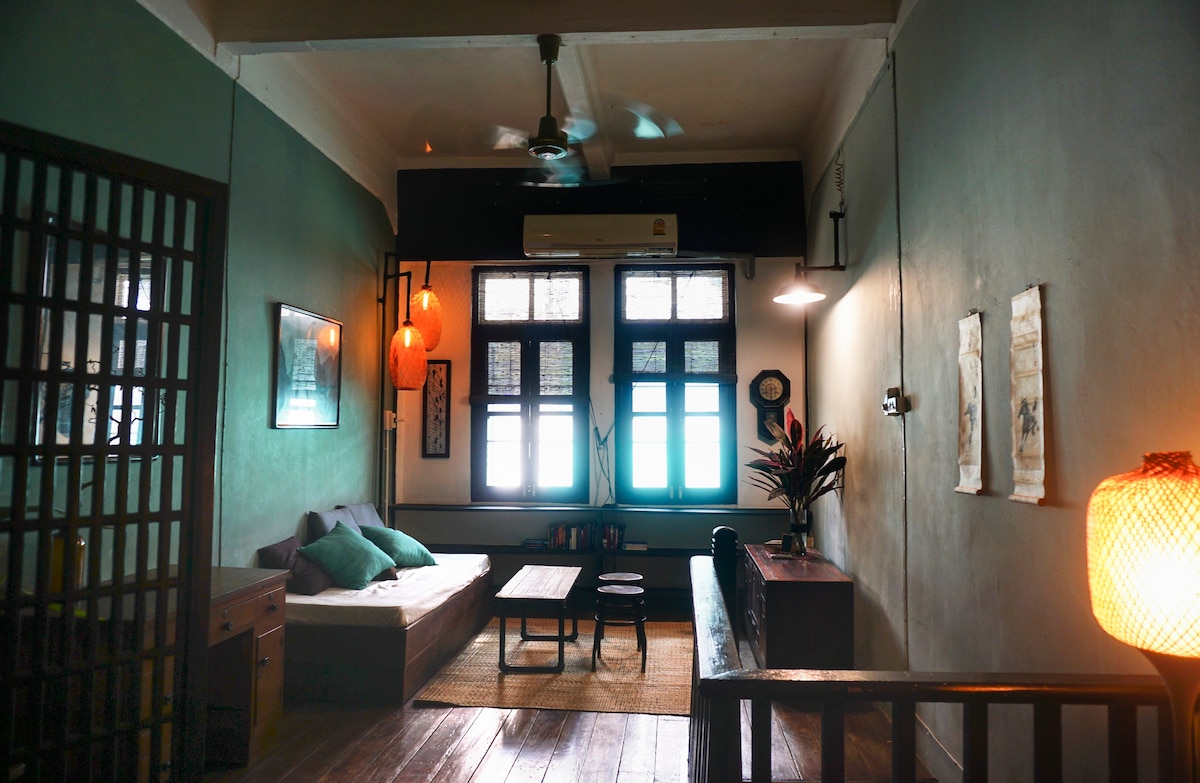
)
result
[(970, 405), (1028, 405)]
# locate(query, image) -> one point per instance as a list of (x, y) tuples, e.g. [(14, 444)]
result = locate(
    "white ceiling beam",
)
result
[(245, 23), (575, 75)]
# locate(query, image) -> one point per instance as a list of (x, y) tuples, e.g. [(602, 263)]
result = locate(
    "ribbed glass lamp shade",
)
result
[(406, 358), (799, 291), (426, 313), (1143, 555)]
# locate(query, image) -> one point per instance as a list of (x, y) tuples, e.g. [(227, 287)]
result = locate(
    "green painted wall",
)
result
[(1047, 144), (300, 232)]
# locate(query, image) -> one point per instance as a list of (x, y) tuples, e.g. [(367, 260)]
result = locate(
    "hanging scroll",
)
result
[(970, 405), (1028, 405)]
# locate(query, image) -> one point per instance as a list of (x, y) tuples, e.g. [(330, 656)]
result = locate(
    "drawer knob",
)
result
[(274, 607), (228, 626), (266, 661)]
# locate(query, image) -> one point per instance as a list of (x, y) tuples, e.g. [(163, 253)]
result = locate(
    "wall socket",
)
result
[(894, 403)]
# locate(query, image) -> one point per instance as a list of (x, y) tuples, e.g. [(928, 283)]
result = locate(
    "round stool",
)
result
[(620, 577), (619, 604)]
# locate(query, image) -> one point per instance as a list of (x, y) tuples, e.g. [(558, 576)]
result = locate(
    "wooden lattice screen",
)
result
[(110, 277)]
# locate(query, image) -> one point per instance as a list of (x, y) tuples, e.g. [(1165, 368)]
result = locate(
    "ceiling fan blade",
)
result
[(647, 121), (578, 129)]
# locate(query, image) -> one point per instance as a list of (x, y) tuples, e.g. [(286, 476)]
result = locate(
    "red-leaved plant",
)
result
[(794, 471)]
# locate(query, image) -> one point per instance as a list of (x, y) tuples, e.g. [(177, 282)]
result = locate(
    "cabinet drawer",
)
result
[(267, 608), (231, 620)]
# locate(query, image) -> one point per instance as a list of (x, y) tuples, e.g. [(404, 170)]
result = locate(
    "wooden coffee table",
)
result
[(537, 586)]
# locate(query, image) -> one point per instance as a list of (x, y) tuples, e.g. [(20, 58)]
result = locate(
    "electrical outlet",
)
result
[(894, 403)]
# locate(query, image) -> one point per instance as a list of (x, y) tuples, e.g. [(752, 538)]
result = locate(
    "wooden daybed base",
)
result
[(367, 665)]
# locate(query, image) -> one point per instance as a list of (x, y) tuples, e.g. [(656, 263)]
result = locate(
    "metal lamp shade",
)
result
[(406, 358)]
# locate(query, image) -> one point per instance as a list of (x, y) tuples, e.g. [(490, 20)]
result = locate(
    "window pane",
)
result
[(701, 356), (504, 367), (649, 357), (504, 451), (554, 427), (649, 397), (504, 298), (649, 465), (700, 296), (557, 298), (701, 398), (702, 429), (504, 464), (555, 465), (556, 367), (701, 466), (647, 297), (650, 429), (702, 452), (504, 428)]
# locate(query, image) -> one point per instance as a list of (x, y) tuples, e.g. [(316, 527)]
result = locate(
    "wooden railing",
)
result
[(719, 684)]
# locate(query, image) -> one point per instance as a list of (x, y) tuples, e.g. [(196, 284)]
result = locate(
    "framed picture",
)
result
[(308, 369), (435, 410)]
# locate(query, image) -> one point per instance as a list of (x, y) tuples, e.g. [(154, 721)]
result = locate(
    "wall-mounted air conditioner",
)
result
[(601, 236)]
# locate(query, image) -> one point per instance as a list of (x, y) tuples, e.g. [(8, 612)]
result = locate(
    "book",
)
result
[(635, 546)]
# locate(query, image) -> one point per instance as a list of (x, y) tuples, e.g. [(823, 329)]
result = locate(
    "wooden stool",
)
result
[(619, 604), (621, 577)]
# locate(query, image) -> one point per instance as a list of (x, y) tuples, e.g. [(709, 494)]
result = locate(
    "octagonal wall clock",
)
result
[(769, 393)]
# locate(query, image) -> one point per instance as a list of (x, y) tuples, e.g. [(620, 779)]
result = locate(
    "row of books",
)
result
[(608, 536)]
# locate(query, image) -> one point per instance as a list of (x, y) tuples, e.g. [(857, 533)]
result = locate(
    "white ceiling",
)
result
[(381, 85)]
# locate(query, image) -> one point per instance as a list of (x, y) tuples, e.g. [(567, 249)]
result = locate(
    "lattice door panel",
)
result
[(105, 424)]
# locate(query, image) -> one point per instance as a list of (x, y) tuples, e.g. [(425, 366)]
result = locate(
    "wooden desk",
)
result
[(245, 663), (798, 612), (530, 587)]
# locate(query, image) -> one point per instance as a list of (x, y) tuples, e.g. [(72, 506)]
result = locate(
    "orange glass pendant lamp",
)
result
[(426, 313), (1143, 560)]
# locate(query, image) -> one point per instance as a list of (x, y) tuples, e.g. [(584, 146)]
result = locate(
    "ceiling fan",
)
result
[(561, 165)]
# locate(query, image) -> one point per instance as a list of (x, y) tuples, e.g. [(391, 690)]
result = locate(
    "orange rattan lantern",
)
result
[(406, 358), (1143, 558), (426, 313)]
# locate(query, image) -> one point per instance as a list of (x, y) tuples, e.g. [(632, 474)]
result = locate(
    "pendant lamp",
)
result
[(406, 358), (426, 313), (1143, 564)]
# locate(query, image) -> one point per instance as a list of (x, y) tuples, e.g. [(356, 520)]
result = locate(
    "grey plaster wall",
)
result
[(1035, 144)]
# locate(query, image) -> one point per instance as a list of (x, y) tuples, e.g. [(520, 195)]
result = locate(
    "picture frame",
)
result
[(308, 369), (435, 410)]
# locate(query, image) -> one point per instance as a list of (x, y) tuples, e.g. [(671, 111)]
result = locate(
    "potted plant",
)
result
[(798, 472)]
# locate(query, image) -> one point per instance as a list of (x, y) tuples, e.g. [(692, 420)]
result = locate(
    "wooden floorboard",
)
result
[(344, 744)]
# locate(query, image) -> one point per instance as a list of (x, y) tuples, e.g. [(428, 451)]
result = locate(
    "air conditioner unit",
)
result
[(601, 236)]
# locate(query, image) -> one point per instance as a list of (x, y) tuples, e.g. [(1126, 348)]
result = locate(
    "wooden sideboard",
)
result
[(798, 612), (245, 663)]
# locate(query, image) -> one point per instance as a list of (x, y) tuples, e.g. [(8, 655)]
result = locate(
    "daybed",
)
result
[(380, 642)]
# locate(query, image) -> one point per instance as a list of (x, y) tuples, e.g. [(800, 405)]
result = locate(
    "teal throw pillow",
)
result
[(404, 549), (350, 560)]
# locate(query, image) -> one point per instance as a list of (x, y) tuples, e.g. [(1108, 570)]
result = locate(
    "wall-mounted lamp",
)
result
[(800, 291), (406, 360), (426, 312), (1143, 560)]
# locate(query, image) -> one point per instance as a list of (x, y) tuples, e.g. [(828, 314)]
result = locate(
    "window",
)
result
[(529, 385), (674, 362)]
